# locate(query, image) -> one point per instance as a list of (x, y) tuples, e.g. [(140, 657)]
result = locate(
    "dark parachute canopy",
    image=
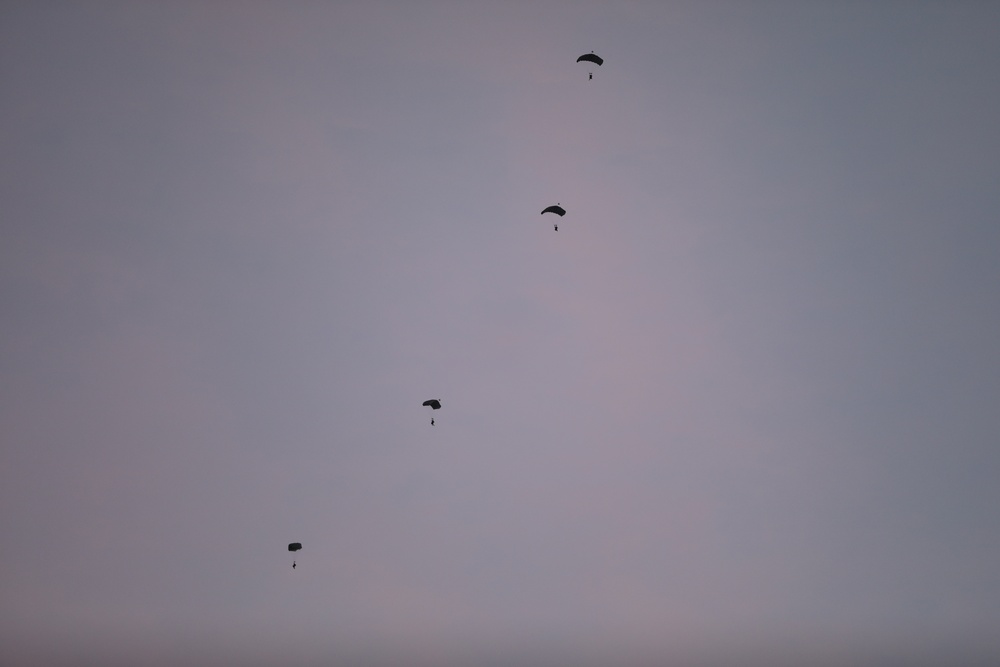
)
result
[(591, 58), (294, 546)]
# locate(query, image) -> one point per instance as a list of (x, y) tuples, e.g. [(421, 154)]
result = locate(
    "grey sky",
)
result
[(741, 407)]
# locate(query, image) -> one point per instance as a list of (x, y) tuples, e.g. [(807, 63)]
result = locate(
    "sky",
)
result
[(741, 409)]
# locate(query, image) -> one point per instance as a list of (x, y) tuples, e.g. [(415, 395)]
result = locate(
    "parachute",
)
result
[(558, 210), (294, 546), (433, 404), (591, 58)]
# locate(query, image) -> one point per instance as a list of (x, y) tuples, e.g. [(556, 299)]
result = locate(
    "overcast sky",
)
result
[(743, 408)]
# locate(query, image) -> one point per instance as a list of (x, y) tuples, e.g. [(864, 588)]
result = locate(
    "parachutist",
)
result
[(558, 210), (591, 58), (294, 546), (433, 404)]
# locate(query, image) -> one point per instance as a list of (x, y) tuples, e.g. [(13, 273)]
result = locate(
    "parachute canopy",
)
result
[(294, 546), (591, 57), (558, 210), (433, 403)]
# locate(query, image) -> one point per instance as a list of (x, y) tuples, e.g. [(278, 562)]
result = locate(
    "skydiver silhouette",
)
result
[(293, 564), (432, 421), (591, 76), (557, 227)]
